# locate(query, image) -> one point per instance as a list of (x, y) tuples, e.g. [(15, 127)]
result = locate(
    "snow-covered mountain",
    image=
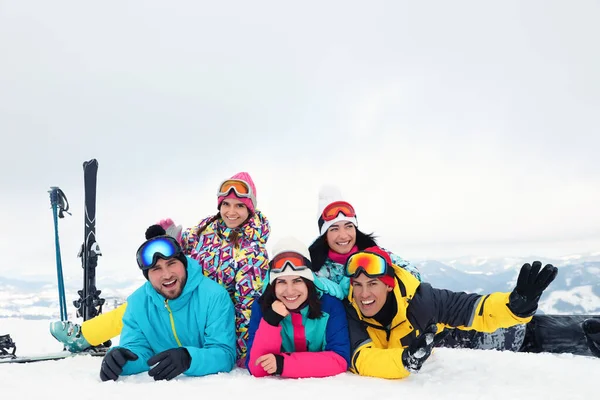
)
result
[(576, 289), (39, 300)]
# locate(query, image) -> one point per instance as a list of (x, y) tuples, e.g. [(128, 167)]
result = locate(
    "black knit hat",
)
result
[(155, 231)]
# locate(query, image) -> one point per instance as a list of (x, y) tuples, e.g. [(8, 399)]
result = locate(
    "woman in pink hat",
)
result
[(230, 246)]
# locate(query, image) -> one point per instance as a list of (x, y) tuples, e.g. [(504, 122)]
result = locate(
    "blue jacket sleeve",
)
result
[(133, 339), (336, 335), (255, 317), (218, 353)]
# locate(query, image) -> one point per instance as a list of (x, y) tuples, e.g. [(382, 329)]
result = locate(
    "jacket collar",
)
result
[(406, 286)]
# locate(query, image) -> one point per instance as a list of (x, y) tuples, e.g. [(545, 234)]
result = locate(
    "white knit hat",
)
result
[(329, 194), (290, 243)]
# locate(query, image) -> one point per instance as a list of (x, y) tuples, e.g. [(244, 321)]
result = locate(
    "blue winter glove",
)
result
[(330, 287)]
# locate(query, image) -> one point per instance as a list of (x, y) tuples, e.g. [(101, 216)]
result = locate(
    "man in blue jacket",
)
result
[(179, 322)]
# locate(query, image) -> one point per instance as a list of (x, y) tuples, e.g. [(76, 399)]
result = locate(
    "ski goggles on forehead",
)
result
[(334, 209), (161, 247), (289, 259), (241, 188), (371, 264)]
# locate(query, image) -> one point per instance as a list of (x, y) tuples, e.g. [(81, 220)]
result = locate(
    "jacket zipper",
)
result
[(172, 322)]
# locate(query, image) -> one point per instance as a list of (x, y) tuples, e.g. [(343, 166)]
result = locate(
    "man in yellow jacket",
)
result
[(395, 320)]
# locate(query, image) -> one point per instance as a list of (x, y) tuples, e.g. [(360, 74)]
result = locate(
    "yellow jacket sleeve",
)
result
[(380, 363), (492, 313), (104, 327), (461, 310)]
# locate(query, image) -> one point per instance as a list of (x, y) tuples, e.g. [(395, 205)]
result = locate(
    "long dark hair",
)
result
[(319, 249), (314, 303)]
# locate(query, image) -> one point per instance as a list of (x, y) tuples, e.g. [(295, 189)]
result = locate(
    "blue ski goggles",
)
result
[(163, 247)]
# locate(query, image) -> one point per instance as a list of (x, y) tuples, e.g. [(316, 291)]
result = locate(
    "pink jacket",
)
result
[(298, 364)]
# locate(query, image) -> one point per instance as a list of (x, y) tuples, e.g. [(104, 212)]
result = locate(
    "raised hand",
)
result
[(170, 228), (531, 283), (419, 351), (113, 362)]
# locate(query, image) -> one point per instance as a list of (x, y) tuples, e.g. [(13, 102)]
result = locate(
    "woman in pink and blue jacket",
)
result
[(296, 331)]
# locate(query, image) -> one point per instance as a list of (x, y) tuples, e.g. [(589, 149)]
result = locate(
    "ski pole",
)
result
[(59, 204)]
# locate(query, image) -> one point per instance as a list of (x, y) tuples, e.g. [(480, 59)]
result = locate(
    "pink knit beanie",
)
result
[(249, 202)]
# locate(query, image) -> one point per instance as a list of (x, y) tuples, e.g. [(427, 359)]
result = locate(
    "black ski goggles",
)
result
[(160, 247)]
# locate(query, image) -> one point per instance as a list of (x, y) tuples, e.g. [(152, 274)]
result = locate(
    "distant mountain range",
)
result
[(39, 300), (576, 289)]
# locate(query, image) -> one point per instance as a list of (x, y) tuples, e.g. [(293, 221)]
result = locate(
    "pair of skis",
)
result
[(89, 303)]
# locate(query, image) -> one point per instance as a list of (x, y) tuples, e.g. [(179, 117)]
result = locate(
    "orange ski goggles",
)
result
[(334, 209), (291, 259), (241, 189), (373, 265)]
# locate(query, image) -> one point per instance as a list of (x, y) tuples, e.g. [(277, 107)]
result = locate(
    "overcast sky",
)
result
[(455, 128)]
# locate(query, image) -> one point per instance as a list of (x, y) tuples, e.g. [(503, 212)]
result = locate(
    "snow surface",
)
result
[(448, 374)]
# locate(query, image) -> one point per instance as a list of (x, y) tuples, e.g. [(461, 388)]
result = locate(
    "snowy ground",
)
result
[(449, 374)]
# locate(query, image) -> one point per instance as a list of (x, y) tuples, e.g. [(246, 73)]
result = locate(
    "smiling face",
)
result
[(168, 277), (341, 237), (291, 291), (370, 294), (233, 212)]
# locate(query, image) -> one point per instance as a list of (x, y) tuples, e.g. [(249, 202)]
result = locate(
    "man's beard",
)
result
[(168, 293)]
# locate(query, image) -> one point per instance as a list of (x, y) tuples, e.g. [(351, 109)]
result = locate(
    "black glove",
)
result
[(419, 350), (523, 300), (271, 317), (591, 328), (169, 363), (113, 362)]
